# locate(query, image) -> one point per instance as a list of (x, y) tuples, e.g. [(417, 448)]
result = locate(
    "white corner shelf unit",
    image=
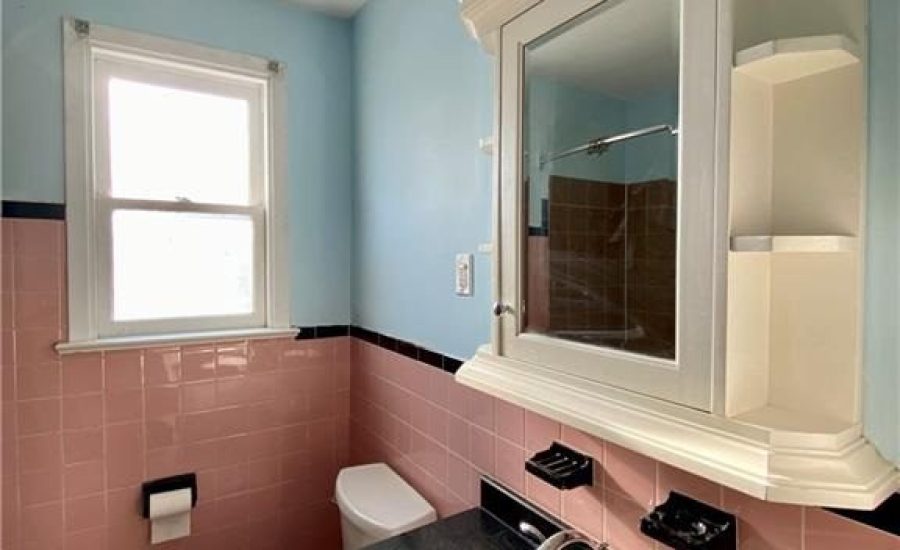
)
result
[(788, 59)]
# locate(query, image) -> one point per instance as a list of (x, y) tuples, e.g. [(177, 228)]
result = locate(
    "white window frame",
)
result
[(92, 52)]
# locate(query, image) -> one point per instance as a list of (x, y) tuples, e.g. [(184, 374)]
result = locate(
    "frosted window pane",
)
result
[(167, 143), (175, 265)]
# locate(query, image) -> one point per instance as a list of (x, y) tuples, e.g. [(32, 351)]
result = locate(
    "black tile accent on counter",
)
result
[(493, 526), (324, 331), (34, 210), (885, 518)]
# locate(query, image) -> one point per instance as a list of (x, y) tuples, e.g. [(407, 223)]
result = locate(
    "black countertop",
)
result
[(474, 529)]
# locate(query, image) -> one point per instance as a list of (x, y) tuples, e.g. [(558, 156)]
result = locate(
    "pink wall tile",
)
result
[(82, 373), (827, 531), (509, 422), (763, 525), (630, 474)]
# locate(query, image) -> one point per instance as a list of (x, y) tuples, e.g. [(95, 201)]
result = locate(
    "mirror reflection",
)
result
[(600, 168)]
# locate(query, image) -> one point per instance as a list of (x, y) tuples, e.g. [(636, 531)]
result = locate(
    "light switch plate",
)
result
[(463, 274)]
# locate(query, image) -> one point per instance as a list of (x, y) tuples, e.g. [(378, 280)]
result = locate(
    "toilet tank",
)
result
[(377, 504)]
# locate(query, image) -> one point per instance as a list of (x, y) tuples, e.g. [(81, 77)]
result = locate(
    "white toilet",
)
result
[(377, 504)]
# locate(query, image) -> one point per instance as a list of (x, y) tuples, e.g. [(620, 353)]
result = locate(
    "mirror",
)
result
[(600, 178)]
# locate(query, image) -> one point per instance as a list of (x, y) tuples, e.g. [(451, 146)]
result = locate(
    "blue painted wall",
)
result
[(423, 189), (882, 352), (317, 50)]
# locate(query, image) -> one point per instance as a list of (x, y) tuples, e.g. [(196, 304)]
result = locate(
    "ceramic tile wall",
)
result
[(441, 436), (265, 424)]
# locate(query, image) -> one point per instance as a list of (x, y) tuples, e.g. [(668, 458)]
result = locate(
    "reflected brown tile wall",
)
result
[(612, 260)]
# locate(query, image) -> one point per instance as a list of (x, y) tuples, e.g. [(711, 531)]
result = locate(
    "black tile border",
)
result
[(408, 349), (33, 210)]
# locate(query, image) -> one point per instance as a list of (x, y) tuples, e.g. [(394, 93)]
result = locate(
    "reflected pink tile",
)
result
[(83, 479), (231, 359), (198, 396), (764, 525), (481, 448), (827, 531), (509, 421), (584, 509), (540, 432), (623, 519), (673, 479), (160, 432), (630, 474), (592, 446), (458, 436), (82, 446), (263, 444), (199, 426), (82, 373), (38, 416), (124, 406), (231, 479), (40, 452), (264, 355), (438, 424), (510, 464), (542, 494), (162, 366), (42, 524), (263, 473), (124, 455), (36, 274), (35, 347), (165, 462), (162, 401), (198, 363), (123, 370), (90, 539), (40, 487), (85, 513), (37, 310), (231, 450), (33, 238), (38, 381), (480, 410), (232, 391)]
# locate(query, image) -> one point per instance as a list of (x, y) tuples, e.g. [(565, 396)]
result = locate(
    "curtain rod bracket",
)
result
[(82, 27), (275, 67)]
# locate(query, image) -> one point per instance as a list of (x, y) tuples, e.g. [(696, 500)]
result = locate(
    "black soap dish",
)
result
[(562, 467), (686, 524)]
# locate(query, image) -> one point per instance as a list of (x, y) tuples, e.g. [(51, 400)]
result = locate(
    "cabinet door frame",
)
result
[(688, 379)]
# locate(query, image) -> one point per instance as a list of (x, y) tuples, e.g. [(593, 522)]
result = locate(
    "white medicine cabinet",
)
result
[(678, 198)]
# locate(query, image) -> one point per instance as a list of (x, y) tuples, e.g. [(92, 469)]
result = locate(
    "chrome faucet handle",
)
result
[(532, 532), (569, 538)]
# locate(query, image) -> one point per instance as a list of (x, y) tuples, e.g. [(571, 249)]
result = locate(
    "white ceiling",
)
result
[(340, 8), (627, 47)]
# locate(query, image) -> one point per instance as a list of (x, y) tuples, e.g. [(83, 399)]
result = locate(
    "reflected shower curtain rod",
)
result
[(600, 145)]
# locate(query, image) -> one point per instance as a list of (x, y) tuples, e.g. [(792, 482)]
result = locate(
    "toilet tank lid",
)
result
[(378, 500)]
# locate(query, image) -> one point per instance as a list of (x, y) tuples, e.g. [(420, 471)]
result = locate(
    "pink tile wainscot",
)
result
[(626, 485), (265, 424)]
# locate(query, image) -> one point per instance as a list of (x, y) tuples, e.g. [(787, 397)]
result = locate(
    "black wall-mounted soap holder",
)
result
[(687, 524), (562, 467)]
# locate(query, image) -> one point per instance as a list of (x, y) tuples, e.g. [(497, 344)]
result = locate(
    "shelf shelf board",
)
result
[(787, 59), (793, 243)]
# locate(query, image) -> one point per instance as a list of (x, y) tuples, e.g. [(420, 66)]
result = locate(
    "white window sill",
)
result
[(156, 340)]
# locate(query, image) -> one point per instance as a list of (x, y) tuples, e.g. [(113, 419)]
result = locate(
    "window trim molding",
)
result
[(80, 39)]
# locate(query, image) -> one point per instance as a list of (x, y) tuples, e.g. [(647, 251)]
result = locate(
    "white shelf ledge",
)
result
[(796, 461), (789, 59), (793, 243)]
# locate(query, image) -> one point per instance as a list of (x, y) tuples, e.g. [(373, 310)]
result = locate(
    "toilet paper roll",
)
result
[(170, 515)]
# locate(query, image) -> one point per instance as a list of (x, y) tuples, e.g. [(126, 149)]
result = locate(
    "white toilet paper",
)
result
[(170, 515)]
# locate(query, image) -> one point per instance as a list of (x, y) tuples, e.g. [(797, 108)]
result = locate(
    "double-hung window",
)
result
[(173, 188)]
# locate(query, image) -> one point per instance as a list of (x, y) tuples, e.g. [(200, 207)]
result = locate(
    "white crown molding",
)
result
[(484, 18), (840, 469)]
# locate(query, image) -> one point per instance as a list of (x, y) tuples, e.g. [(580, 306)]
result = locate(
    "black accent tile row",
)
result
[(423, 355), (34, 210), (885, 518)]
